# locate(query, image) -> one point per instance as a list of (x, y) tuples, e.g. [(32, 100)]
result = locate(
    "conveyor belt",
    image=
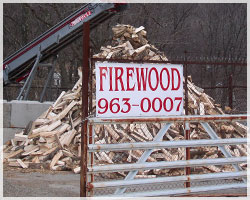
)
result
[(18, 65)]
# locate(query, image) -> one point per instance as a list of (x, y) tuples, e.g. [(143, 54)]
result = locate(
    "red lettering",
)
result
[(101, 75), (165, 104), (104, 107), (160, 104), (161, 82), (179, 78), (142, 105), (157, 79), (141, 78), (110, 79), (118, 78), (130, 75)]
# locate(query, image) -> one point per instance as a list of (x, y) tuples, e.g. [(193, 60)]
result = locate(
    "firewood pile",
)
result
[(52, 141), (130, 43)]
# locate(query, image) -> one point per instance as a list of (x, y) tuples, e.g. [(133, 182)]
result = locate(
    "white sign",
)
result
[(131, 90)]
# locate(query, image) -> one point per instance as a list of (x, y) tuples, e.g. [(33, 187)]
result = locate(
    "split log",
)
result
[(67, 153), (17, 164), (112, 132), (20, 137), (205, 98), (58, 99), (65, 111), (70, 137), (40, 129), (77, 170), (21, 163), (56, 158), (36, 148), (58, 141), (35, 160), (54, 125), (50, 151), (212, 168), (13, 154)]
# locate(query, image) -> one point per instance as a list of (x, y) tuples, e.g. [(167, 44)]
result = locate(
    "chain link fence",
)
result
[(225, 81), (11, 92)]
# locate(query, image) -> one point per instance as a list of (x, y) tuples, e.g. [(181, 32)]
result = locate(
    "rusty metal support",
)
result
[(187, 129), (170, 179), (185, 85), (91, 159), (230, 91), (165, 144), (91, 84), (165, 164), (182, 118), (188, 157), (84, 137)]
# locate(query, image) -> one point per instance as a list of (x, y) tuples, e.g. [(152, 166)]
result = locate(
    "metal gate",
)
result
[(119, 165)]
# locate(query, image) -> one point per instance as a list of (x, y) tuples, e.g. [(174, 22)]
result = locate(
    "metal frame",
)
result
[(165, 164), (84, 126), (189, 118), (131, 175), (226, 153), (148, 146), (49, 79), (157, 143), (27, 85), (50, 42), (165, 144), (23, 94), (180, 192), (194, 177)]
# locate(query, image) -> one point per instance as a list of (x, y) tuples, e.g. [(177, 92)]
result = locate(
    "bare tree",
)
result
[(212, 30)]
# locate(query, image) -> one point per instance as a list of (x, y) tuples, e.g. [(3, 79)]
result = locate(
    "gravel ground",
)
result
[(39, 183)]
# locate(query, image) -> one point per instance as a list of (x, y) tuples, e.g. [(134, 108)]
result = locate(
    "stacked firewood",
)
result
[(52, 141), (130, 43)]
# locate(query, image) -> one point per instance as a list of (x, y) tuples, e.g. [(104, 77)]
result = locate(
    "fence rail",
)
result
[(195, 177), (183, 118), (167, 144), (161, 165)]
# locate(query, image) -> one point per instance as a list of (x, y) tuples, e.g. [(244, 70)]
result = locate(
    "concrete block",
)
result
[(22, 112), (6, 114), (9, 133)]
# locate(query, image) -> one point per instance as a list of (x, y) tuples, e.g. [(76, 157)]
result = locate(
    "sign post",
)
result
[(85, 83)]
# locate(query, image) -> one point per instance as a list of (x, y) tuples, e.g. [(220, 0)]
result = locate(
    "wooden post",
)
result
[(84, 138)]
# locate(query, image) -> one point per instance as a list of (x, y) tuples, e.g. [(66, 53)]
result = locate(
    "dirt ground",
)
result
[(39, 183)]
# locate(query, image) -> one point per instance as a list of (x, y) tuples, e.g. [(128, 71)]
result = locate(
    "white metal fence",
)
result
[(146, 156)]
